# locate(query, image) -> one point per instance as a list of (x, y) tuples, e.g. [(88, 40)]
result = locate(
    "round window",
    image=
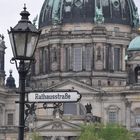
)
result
[(116, 3)]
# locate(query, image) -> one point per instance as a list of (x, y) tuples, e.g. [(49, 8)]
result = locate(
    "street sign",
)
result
[(54, 96)]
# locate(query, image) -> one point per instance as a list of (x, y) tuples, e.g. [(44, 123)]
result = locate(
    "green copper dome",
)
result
[(55, 12), (134, 44)]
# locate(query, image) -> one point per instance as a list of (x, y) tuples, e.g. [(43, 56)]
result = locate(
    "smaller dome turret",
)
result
[(134, 44), (10, 82)]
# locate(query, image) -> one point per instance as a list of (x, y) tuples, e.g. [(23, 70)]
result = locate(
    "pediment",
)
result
[(136, 58), (58, 125), (74, 85)]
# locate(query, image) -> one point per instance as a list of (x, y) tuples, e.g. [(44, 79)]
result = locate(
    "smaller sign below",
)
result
[(54, 96)]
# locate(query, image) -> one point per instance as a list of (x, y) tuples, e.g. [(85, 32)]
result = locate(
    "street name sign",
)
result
[(54, 96)]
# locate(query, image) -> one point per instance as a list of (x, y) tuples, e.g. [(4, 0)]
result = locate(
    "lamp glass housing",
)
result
[(24, 37), (23, 43)]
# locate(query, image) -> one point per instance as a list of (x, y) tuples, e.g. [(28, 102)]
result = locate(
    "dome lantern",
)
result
[(10, 82)]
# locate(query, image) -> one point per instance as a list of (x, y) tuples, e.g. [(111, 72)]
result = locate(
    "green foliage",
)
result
[(136, 135), (36, 136), (102, 132), (89, 133), (114, 132)]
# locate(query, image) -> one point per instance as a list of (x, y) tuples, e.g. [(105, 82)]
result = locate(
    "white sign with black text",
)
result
[(54, 96)]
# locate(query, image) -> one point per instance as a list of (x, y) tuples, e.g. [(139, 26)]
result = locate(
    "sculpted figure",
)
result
[(88, 108)]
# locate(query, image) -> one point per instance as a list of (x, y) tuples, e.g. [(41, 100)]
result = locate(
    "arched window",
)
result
[(112, 112), (10, 119), (109, 58), (88, 58), (137, 74), (99, 53), (82, 58), (116, 59), (53, 54), (77, 59), (137, 117)]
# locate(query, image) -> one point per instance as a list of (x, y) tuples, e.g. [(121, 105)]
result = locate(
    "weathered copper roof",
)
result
[(93, 11), (134, 44)]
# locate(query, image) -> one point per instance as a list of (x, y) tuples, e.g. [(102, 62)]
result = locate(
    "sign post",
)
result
[(54, 96), (49, 97)]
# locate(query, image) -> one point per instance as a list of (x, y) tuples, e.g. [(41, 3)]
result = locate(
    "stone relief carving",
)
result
[(57, 125)]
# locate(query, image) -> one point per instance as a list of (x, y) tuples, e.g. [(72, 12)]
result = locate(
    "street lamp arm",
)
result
[(27, 65)]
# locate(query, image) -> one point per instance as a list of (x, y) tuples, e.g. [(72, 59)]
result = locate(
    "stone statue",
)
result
[(56, 12), (135, 17), (99, 18), (35, 20), (57, 113), (88, 108)]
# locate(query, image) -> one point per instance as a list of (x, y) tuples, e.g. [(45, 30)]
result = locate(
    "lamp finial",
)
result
[(24, 7)]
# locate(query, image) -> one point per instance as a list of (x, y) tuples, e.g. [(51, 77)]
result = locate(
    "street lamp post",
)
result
[(24, 38)]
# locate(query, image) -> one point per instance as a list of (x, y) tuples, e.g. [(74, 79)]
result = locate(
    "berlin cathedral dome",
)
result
[(84, 40), (84, 11)]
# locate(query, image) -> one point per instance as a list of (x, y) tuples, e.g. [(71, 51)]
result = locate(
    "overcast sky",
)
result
[(9, 16)]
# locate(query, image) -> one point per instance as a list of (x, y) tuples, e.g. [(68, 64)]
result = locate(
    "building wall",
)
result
[(84, 57)]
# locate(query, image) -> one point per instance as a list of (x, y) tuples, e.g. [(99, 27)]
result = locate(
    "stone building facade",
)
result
[(83, 47), (8, 96)]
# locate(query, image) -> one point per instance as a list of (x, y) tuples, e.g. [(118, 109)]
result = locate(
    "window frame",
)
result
[(10, 112), (113, 109), (80, 109), (9, 121), (77, 59), (137, 116)]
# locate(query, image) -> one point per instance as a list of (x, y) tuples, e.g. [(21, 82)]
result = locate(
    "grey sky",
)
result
[(9, 16)]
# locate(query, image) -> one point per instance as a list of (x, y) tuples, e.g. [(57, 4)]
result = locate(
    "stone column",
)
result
[(1, 115), (122, 59), (112, 56), (61, 58), (123, 114), (128, 114), (104, 56)]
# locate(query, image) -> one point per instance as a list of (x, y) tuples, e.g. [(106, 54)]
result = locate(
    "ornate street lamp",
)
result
[(24, 38)]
